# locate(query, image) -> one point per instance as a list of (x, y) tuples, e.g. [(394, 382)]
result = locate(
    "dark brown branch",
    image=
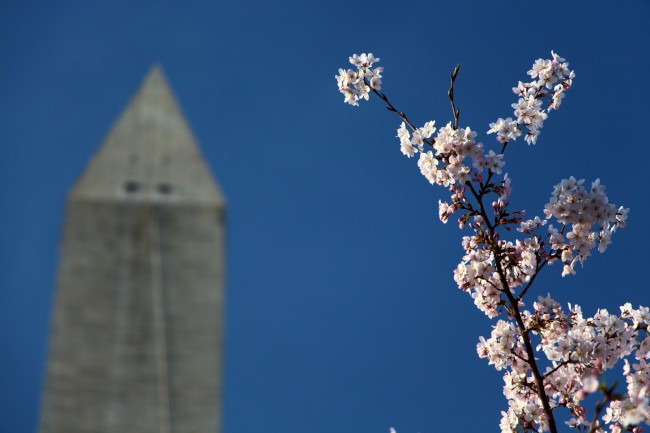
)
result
[(514, 304)]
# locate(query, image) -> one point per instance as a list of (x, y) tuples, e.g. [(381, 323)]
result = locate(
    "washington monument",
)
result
[(137, 323)]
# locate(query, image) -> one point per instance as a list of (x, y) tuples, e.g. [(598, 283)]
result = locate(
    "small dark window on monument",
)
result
[(131, 186), (164, 188)]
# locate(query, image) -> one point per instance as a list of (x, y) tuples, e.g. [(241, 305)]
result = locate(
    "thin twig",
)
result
[(560, 365), (392, 108), (450, 93), (532, 279), (401, 114), (609, 396)]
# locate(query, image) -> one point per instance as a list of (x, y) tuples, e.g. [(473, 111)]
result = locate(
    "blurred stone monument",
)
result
[(137, 323)]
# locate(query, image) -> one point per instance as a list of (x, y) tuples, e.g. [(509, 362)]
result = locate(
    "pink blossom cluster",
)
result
[(498, 272), (356, 84), (452, 147), (551, 79), (479, 275), (579, 350), (410, 145), (590, 215)]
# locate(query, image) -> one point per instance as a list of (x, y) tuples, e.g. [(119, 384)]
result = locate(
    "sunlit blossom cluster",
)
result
[(588, 214), (446, 163), (579, 350), (356, 84), (551, 359), (479, 275), (551, 79)]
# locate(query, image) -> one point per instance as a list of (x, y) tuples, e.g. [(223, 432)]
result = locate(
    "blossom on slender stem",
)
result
[(356, 85), (551, 79)]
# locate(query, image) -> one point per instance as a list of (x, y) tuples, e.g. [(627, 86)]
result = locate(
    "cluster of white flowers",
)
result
[(571, 204), (356, 85), (491, 161), (506, 129), (551, 79), (502, 346), (478, 274), (530, 226), (410, 145), (579, 350), (451, 147), (497, 273)]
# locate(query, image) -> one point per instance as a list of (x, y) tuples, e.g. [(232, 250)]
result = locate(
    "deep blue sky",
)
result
[(342, 314)]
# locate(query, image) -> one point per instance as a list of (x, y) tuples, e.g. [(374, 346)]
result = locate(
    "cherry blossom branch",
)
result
[(514, 305), (493, 268), (514, 308), (491, 173), (482, 211)]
